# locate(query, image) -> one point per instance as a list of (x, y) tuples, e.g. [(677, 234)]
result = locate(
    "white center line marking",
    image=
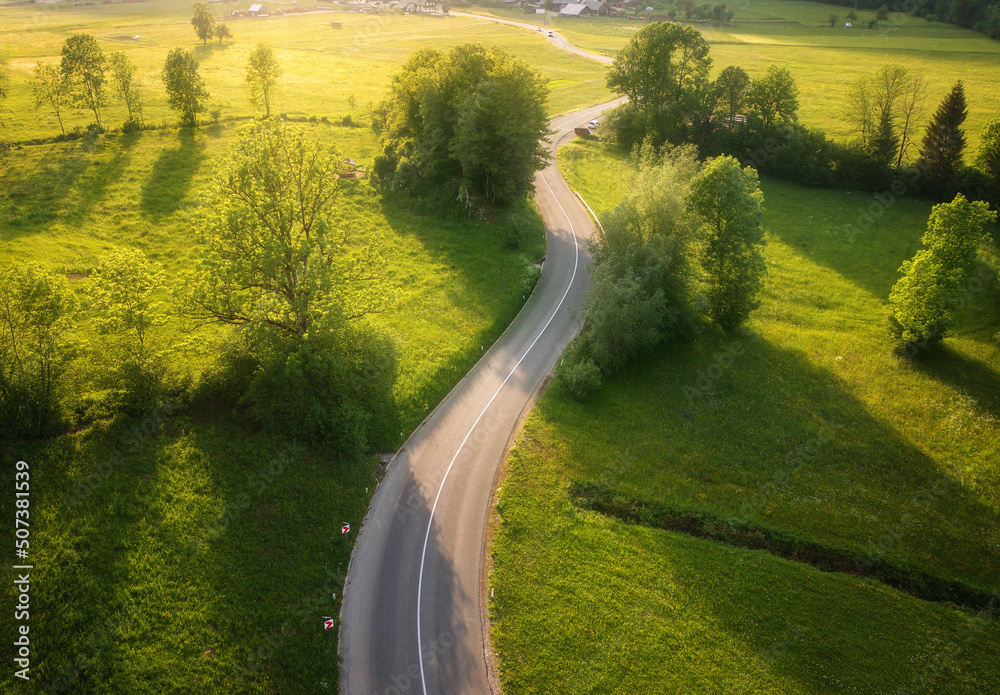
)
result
[(427, 534)]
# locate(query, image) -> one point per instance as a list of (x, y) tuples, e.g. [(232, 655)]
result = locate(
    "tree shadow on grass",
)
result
[(274, 562), (486, 281), (92, 187), (748, 429), (92, 562), (849, 232), (34, 201), (169, 181), (967, 376)]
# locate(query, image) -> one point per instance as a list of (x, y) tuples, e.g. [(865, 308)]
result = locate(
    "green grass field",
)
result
[(323, 68), (805, 423), (189, 556), (207, 610), (825, 61)]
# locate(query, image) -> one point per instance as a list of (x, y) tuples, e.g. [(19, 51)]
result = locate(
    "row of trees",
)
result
[(205, 25), (275, 266), (664, 70), (981, 15), (82, 81), (685, 240)]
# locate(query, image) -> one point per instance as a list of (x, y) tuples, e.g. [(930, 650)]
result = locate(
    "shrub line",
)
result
[(742, 533)]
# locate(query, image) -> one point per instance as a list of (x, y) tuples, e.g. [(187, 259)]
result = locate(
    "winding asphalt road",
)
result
[(412, 620)]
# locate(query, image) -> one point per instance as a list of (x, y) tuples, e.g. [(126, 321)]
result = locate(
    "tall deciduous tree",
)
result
[(203, 22), (186, 91), (882, 106), (731, 87), (126, 85), (643, 271), (51, 89), (944, 141), (84, 64), (498, 135), (988, 158), (122, 292), (729, 201), (263, 72), (275, 259), (277, 266), (36, 310), (773, 97), (920, 302), (660, 65)]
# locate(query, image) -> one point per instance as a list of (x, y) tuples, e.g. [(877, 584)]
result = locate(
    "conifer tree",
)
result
[(944, 141)]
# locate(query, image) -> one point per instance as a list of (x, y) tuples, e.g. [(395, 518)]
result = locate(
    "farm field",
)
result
[(805, 424), (326, 72), (825, 61)]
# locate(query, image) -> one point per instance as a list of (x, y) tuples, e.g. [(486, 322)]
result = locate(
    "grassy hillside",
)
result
[(825, 61), (805, 424)]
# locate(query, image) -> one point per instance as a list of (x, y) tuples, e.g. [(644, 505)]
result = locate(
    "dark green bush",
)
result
[(581, 378)]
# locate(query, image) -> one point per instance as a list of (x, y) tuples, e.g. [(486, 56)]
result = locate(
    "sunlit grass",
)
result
[(805, 422), (825, 61), (326, 72)]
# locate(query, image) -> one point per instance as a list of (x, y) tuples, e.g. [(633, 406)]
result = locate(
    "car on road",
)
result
[(552, 33), (593, 124)]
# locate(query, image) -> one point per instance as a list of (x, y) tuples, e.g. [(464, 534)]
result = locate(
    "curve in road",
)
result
[(412, 620)]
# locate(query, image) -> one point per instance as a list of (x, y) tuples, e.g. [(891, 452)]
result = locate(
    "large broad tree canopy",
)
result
[(471, 120), (275, 259), (661, 63)]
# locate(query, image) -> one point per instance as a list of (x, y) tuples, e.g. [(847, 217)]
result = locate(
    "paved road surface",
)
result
[(556, 39), (412, 619)]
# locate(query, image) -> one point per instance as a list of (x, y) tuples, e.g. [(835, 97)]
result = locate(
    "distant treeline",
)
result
[(980, 15)]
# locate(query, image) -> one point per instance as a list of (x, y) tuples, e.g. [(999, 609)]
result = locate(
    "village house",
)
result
[(575, 10)]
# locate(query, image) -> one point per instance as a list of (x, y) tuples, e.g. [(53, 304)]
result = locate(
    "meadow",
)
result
[(326, 72), (805, 424), (825, 61), (182, 552)]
